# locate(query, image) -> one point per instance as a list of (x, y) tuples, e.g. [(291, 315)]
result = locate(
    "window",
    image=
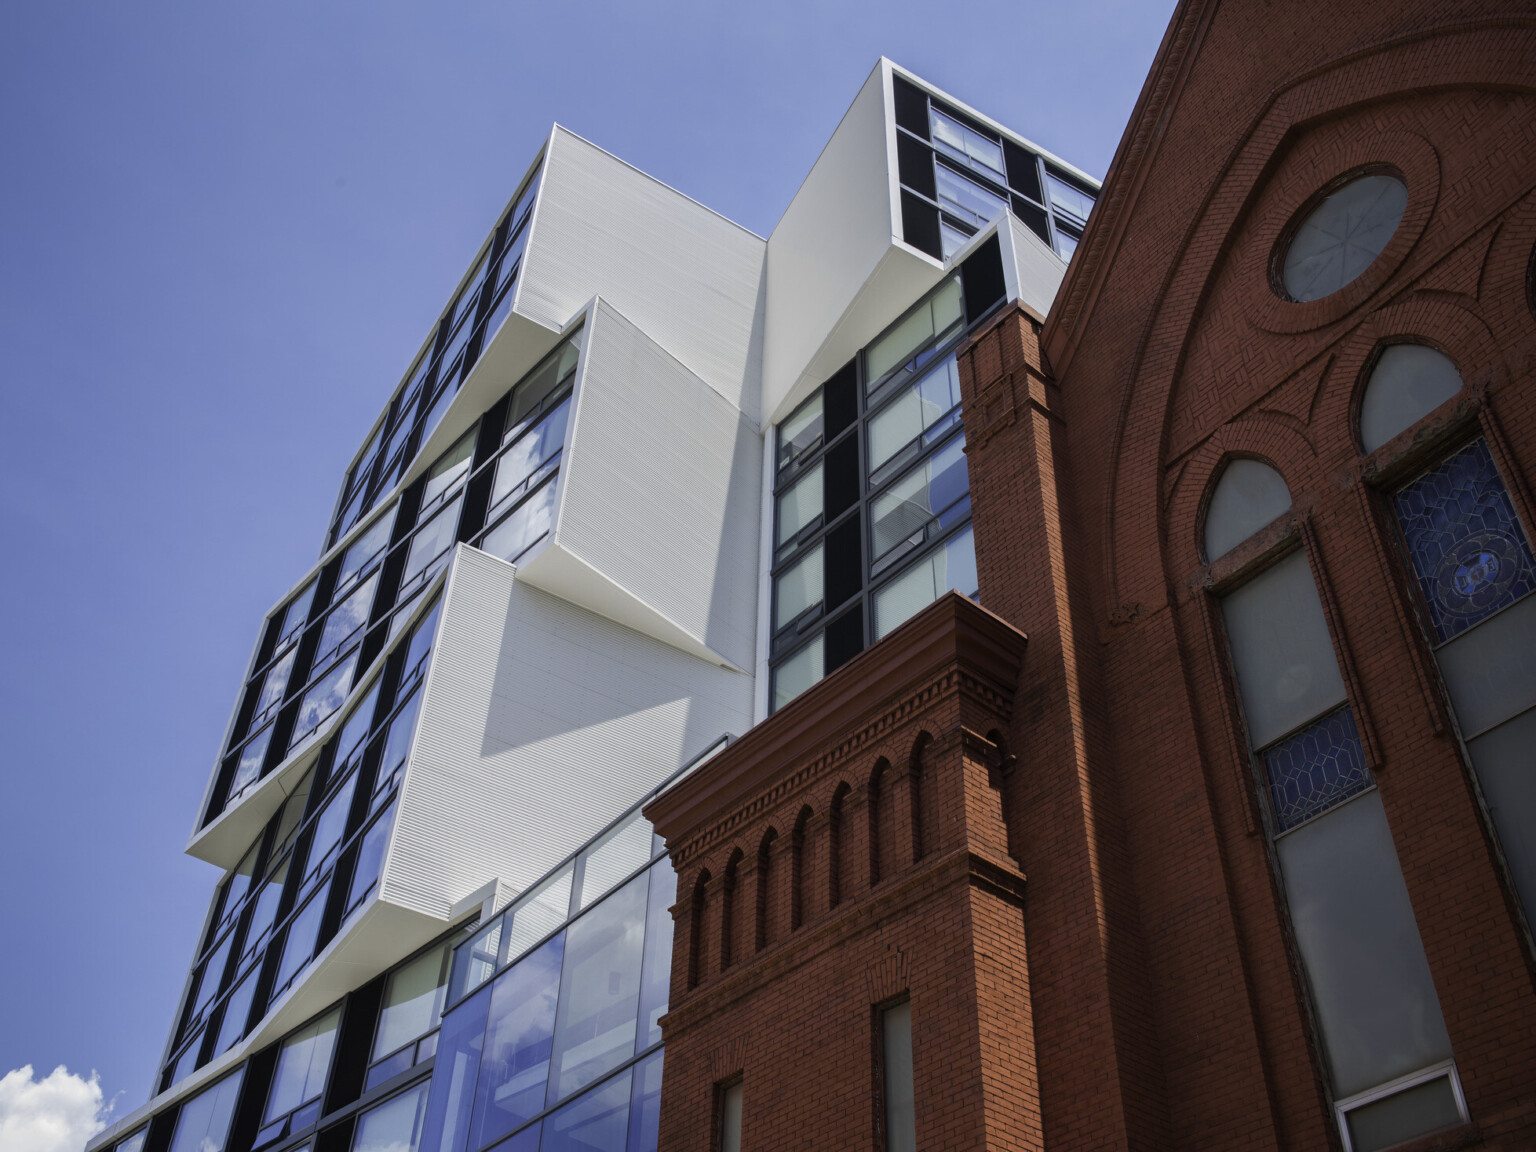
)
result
[(430, 544), (801, 432), (615, 856), (1354, 927), (926, 501), (798, 672), (449, 470), (370, 861), (514, 1070), (930, 405), (412, 1007), (528, 523), (950, 567), (527, 460), (303, 1063), (323, 699), (366, 548), (273, 687), (1407, 383), (345, 622), (937, 318), (203, 1123), (1249, 495), (967, 145), (730, 1117), (1340, 237), (235, 1013), (900, 1112), (395, 1125), (134, 1143), (248, 767)]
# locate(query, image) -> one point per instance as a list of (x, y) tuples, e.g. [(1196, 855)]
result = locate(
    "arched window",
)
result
[(1341, 233), (835, 846), (876, 785), (915, 793), (1249, 495), (696, 929), (764, 889), (728, 907), (1407, 383), (797, 869)]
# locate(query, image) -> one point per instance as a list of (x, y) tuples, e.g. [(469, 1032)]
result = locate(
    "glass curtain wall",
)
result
[(450, 351), (871, 495), (310, 869), (957, 174)]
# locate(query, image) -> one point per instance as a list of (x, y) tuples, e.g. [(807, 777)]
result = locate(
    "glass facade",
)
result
[(872, 496), (957, 174)]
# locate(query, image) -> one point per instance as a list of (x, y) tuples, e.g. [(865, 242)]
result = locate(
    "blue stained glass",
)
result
[(1318, 767), (1468, 549)]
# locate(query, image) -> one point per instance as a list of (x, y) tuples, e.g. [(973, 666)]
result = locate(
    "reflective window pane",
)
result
[(523, 464), (264, 912), (370, 860), (799, 506), (329, 827), (297, 612), (134, 1143), (1408, 382), (211, 976), (546, 378), (203, 1124), (656, 972), (619, 854), (645, 1106), (431, 542), (903, 512), (238, 886), (299, 946), (966, 145), (1249, 495), (514, 1070), (538, 913), (475, 962), (302, 1066), (349, 744), (967, 199), (324, 698), (395, 1125), (398, 745), (799, 588), (367, 547), (598, 1120), (922, 406), (937, 315), (346, 621), (797, 673), (446, 1128), (802, 431), (413, 1001), (900, 1103), (248, 768), (274, 686), (450, 468), (599, 995), (237, 1009), (529, 523), (1068, 200), (951, 566), (1342, 236)]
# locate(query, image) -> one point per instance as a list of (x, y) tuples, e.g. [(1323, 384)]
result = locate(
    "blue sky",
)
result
[(227, 227)]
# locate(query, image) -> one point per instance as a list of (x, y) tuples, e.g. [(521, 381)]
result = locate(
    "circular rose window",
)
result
[(1341, 235)]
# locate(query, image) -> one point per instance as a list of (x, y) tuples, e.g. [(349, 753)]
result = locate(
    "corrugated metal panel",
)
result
[(662, 482), (541, 722), (689, 277)]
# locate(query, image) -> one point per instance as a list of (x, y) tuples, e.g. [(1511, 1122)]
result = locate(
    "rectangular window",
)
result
[(932, 321), (526, 463), (514, 1071), (923, 411), (968, 146), (896, 1068), (798, 672), (950, 567), (799, 507), (730, 1117), (345, 622), (370, 861), (801, 432), (429, 545), (413, 1002), (528, 523), (366, 548), (323, 699), (299, 945), (203, 1123), (395, 1125), (1071, 202), (965, 199), (923, 503), (799, 589), (617, 856), (450, 469), (303, 1064)]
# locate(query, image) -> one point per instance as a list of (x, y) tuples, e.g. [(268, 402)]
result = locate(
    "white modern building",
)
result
[(649, 476)]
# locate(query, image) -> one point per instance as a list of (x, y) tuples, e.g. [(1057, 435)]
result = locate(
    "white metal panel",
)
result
[(687, 275), (1032, 270), (541, 721), (830, 240), (661, 482)]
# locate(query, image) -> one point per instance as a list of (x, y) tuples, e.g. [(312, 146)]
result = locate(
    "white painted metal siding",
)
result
[(830, 239), (1033, 271), (662, 479), (541, 722), (691, 278)]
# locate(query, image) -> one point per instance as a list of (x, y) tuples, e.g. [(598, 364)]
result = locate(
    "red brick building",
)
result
[(1238, 848)]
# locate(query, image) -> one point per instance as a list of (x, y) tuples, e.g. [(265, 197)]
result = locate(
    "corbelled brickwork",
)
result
[(1160, 1003)]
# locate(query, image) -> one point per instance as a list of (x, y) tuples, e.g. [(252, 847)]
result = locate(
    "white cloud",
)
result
[(58, 1113)]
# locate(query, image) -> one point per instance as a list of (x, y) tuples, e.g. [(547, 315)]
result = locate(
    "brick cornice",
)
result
[(953, 646)]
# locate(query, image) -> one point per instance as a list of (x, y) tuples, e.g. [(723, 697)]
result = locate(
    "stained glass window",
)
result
[(1467, 547), (1318, 767)]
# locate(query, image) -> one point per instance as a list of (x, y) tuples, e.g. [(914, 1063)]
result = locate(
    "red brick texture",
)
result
[(872, 839)]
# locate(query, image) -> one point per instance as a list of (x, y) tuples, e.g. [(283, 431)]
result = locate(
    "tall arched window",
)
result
[(915, 793), (1353, 922), (696, 929), (797, 869), (873, 809), (1407, 383), (835, 846), (762, 927), (728, 907), (1249, 495)]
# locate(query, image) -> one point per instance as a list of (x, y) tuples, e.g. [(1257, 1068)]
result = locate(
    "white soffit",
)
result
[(540, 721), (687, 275), (831, 239), (658, 509)]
